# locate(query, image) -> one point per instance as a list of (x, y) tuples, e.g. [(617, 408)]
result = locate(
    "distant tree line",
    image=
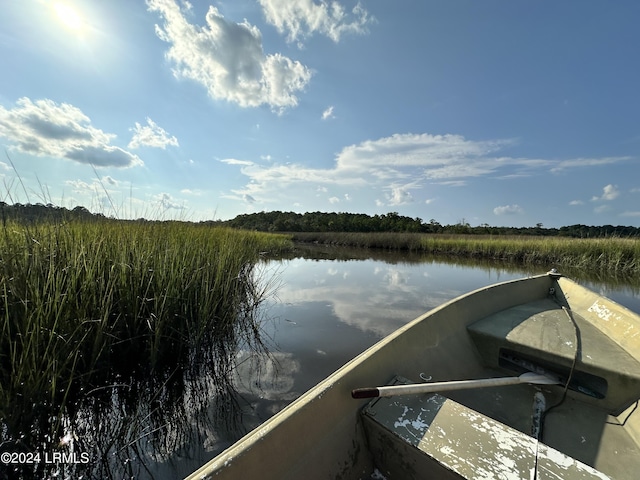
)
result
[(38, 212), (277, 221)]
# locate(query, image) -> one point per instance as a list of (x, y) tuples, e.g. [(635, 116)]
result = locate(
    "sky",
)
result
[(483, 112)]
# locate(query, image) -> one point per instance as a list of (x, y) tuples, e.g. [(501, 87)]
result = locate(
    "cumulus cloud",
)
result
[(45, 128), (328, 113), (228, 60), (167, 202), (508, 210), (609, 192), (334, 200), (399, 196), (398, 164), (151, 135), (99, 191), (576, 202), (438, 156), (108, 179), (80, 186), (300, 19)]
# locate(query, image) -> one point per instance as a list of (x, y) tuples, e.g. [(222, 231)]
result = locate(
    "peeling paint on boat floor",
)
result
[(476, 446), (471, 444)]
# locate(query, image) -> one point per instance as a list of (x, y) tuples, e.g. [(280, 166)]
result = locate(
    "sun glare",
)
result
[(68, 16)]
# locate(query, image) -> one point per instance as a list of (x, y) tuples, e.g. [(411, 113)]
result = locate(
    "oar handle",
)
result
[(365, 393)]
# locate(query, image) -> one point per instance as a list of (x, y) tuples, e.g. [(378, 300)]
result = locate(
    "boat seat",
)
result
[(540, 335), (432, 436)]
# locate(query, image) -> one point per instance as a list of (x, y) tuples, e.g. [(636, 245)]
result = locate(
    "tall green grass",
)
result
[(88, 304), (616, 255)]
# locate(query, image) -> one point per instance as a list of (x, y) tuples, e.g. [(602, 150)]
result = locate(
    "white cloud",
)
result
[(609, 192), (429, 201), (228, 60), (234, 161), (151, 135), (587, 162), (399, 196), (328, 113), (347, 197), (303, 18), (453, 183), (508, 210), (334, 200), (167, 202), (97, 195), (80, 186), (576, 202), (396, 165), (45, 128)]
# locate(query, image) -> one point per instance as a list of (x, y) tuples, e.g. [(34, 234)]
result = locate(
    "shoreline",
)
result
[(615, 255)]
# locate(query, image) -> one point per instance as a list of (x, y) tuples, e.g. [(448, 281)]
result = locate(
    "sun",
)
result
[(68, 16)]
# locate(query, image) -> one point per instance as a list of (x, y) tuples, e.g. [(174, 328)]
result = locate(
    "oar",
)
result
[(390, 391)]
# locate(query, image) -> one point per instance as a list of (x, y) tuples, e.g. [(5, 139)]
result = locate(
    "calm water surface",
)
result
[(331, 304)]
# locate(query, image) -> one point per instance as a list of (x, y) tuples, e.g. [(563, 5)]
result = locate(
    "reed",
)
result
[(616, 255), (85, 304)]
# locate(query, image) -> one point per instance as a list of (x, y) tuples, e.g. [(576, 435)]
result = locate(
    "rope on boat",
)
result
[(624, 422), (576, 354), (540, 413)]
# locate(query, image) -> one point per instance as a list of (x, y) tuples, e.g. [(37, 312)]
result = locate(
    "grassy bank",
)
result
[(619, 255), (88, 304)]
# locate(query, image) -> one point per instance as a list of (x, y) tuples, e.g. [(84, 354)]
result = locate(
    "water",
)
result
[(333, 303), (328, 305)]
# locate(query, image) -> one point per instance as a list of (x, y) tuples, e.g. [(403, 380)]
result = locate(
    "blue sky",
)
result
[(498, 112)]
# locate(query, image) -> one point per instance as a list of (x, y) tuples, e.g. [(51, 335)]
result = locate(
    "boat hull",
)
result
[(321, 434)]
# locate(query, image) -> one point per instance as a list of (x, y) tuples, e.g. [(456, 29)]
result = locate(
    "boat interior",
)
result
[(583, 427)]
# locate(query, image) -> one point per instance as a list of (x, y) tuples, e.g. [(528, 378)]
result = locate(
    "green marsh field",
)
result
[(89, 306), (615, 255)]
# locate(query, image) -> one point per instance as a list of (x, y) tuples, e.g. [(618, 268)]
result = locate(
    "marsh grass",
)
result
[(86, 307), (615, 255)]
